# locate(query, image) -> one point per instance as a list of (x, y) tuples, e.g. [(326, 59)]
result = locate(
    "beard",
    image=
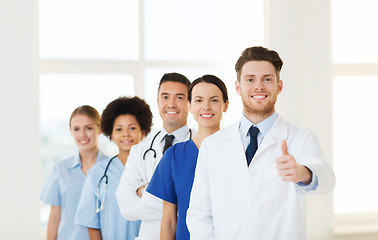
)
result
[(261, 110)]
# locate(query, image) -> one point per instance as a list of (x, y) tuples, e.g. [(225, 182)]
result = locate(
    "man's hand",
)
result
[(140, 190), (290, 170)]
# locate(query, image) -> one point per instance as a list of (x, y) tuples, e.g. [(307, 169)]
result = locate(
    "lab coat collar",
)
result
[(180, 134), (278, 132)]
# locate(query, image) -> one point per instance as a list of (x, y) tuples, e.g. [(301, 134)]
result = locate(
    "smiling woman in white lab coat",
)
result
[(264, 199)]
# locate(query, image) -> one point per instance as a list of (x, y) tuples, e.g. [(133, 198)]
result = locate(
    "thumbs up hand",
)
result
[(290, 170)]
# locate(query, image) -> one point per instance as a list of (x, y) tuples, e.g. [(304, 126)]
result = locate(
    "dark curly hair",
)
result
[(134, 106)]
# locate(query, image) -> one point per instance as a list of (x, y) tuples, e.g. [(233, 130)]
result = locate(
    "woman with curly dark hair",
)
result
[(125, 121)]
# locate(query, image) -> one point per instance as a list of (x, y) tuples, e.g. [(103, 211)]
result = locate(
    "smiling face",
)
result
[(85, 132), (259, 88), (126, 132), (207, 105), (173, 105)]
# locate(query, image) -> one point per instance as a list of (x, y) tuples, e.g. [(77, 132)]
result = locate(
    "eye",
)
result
[(198, 100), (268, 79), (215, 100), (133, 128), (118, 129), (75, 129), (249, 80), (180, 97), (89, 128)]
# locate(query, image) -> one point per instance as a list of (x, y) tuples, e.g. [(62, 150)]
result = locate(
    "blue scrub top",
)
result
[(109, 219), (63, 189), (173, 181)]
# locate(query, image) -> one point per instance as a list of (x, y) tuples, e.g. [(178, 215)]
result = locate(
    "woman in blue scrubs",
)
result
[(173, 177), (125, 121), (63, 187)]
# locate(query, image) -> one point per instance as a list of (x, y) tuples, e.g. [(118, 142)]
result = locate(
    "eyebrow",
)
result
[(216, 96), (120, 125), (265, 75), (176, 94)]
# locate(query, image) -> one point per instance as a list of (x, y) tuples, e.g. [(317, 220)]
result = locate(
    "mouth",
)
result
[(206, 116), (83, 142), (127, 142), (259, 97), (171, 112)]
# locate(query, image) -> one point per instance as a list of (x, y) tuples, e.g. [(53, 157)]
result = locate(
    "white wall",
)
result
[(20, 163), (300, 32)]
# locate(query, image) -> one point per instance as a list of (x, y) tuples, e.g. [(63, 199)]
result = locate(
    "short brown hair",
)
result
[(259, 54)]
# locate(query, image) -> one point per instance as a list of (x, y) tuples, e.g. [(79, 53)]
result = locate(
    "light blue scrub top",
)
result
[(63, 189), (108, 220), (173, 180)]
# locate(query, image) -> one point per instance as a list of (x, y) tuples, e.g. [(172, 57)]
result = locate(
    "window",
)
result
[(355, 80), (91, 52)]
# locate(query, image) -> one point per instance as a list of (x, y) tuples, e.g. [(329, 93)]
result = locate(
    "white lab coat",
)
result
[(230, 200), (138, 172)]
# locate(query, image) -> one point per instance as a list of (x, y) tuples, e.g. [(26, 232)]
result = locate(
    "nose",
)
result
[(205, 105), (126, 133), (82, 133), (172, 102), (259, 85)]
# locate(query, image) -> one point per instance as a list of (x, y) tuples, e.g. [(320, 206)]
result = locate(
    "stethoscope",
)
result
[(152, 143), (154, 151), (105, 176)]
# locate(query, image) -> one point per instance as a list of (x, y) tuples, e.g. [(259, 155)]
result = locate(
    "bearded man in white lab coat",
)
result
[(264, 199)]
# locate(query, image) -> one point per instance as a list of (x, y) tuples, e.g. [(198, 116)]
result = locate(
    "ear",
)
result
[(237, 86), (280, 86), (225, 108), (143, 134)]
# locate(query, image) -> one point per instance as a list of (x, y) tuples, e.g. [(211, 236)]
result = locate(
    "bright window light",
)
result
[(355, 129), (353, 34), (88, 29), (199, 30)]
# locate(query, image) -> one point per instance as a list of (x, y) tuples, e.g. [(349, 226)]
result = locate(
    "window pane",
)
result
[(202, 30), (355, 159), (153, 77), (354, 37), (88, 29)]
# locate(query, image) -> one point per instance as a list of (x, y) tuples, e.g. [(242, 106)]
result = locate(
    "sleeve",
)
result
[(51, 193), (130, 204), (323, 180), (162, 184), (86, 215), (200, 216)]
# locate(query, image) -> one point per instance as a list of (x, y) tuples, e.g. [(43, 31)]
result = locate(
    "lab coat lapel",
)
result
[(276, 135), (233, 141)]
